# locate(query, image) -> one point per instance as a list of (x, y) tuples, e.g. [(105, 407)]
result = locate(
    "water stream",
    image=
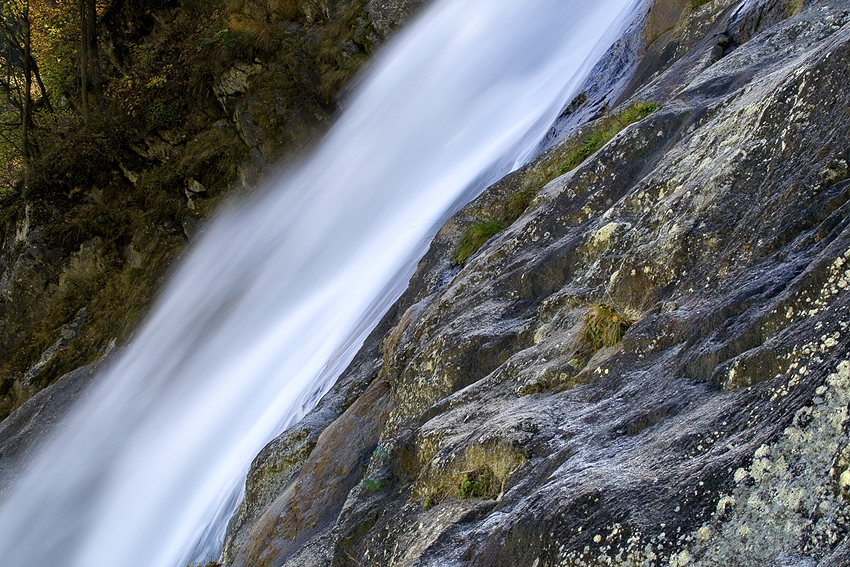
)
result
[(275, 299)]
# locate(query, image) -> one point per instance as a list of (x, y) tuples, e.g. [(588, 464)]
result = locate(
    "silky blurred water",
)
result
[(272, 304)]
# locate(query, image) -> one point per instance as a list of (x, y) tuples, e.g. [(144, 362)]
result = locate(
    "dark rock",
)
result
[(248, 130), (21, 432), (389, 15)]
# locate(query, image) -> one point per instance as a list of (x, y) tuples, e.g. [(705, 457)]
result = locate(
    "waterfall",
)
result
[(276, 298)]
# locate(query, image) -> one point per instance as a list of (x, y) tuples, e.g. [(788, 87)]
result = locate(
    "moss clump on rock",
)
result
[(480, 483)]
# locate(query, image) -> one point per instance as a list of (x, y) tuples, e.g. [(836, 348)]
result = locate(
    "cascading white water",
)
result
[(274, 301)]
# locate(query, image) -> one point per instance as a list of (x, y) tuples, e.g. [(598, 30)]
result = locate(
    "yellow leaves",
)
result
[(157, 81)]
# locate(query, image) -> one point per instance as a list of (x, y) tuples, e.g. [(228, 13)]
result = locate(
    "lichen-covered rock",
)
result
[(389, 15), (715, 432)]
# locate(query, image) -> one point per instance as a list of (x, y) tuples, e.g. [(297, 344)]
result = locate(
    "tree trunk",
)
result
[(37, 76), (94, 54), (91, 78), (26, 96), (84, 61)]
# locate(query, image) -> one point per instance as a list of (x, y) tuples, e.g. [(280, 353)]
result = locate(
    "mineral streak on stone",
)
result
[(714, 433)]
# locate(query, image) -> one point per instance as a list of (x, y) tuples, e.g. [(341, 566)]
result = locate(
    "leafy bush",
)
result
[(160, 115), (371, 484), (474, 238)]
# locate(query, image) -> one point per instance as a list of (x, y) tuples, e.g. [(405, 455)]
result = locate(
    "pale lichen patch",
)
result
[(784, 510)]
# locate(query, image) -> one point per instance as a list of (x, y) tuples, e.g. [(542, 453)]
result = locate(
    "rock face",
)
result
[(649, 366), (30, 423), (388, 15)]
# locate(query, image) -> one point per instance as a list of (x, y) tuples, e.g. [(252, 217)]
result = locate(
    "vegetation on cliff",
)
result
[(525, 184), (123, 124)]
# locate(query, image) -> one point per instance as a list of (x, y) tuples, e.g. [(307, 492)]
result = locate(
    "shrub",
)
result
[(224, 38), (371, 484), (160, 115)]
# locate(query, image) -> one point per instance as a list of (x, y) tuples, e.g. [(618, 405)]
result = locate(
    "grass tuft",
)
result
[(605, 130), (474, 238), (604, 326), (519, 202)]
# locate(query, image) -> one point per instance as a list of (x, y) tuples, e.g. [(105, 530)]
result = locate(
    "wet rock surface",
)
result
[(21, 433), (493, 429)]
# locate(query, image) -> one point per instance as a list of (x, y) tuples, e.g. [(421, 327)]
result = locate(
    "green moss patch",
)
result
[(481, 483)]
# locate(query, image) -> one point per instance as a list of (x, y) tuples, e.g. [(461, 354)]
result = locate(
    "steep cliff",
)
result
[(632, 351), (199, 98), (646, 364)]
